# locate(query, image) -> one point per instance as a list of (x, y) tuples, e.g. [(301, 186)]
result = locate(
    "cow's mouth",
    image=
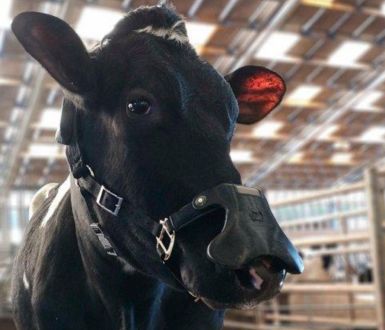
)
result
[(254, 284)]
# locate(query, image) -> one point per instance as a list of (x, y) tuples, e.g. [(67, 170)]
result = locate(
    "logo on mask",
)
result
[(256, 216)]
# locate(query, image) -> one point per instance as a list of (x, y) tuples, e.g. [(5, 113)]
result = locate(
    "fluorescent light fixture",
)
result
[(50, 119), (268, 129), (199, 33), (375, 134), (241, 156), (368, 100), (304, 93), (39, 150), (95, 22), (5, 14), (277, 45), (341, 158), (348, 53), (327, 133)]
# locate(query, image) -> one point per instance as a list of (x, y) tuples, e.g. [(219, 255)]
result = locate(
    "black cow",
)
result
[(145, 116)]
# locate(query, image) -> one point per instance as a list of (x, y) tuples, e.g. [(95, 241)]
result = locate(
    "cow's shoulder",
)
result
[(50, 222), (49, 255)]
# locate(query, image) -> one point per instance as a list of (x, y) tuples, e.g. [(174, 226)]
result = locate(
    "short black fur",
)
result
[(157, 162)]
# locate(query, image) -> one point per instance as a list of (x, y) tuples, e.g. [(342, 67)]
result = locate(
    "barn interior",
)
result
[(320, 155)]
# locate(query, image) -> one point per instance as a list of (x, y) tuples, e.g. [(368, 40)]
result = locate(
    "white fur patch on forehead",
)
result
[(171, 33)]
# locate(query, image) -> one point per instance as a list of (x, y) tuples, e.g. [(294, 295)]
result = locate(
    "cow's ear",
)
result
[(258, 91), (57, 47)]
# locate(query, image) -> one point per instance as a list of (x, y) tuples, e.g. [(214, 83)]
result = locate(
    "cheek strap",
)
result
[(67, 131)]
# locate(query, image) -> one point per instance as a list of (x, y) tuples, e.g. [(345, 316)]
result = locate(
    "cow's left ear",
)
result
[(258, 91), (57, 47)]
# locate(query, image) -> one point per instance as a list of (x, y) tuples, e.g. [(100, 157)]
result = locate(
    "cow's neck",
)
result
[(107, 274), (133, 300)]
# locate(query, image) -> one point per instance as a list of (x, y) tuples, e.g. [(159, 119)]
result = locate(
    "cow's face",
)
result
[(156, 125)]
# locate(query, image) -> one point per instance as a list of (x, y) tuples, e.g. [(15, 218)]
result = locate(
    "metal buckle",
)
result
[(118, 204), (163, 251)]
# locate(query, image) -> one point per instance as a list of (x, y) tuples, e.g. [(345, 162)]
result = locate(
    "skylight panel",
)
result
[(297, 158), (348, 53), (303, 94), (327, 133), (277, 46), (268, 129), (341, 145), (40, 150), (375, 134), (341, 158), (50, 119), (368, 100), (319, 3), (94, 22), (199, 33), (241, 156)]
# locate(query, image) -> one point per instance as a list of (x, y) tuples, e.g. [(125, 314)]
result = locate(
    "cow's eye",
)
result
[(139, 107)]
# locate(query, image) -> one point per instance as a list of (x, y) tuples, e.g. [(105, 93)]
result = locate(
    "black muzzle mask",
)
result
[(250, 230)]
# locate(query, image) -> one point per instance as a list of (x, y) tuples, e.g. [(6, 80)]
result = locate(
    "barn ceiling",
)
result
[(331, 54)]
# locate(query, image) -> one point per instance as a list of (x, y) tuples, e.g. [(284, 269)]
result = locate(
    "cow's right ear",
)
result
[(57, 47)]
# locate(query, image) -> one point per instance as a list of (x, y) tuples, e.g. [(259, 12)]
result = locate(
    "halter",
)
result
[(249, 225), (105, 198)]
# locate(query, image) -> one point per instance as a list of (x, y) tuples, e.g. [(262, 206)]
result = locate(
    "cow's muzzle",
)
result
[(250, 232)]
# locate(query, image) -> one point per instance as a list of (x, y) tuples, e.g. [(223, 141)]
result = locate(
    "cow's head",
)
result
[(156, 124)]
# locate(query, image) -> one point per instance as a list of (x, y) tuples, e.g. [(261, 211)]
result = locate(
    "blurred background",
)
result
[(320, 155)]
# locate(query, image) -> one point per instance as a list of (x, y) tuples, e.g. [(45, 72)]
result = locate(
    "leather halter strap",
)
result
[(105, 198), (113, 204)]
